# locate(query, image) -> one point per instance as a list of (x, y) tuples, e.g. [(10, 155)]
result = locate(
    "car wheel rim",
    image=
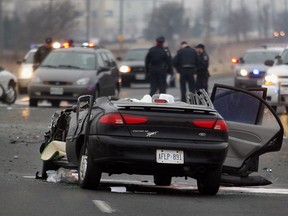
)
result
[(83, 167), (10, 94)]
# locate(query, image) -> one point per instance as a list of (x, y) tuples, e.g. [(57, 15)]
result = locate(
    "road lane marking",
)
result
[(103, 206), (256, 190)]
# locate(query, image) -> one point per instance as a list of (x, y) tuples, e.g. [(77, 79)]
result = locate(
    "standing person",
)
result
[(42, 52), (202, 71), (158, 65), (186, 63)]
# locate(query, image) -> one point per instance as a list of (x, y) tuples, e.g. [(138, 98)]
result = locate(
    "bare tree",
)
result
[(57, 21), (168, 20), (207, 10), (239, 23)]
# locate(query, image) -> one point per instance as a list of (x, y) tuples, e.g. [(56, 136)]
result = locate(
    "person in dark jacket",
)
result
[(202, 71), (158, 66), (186, 62), (42, 52)]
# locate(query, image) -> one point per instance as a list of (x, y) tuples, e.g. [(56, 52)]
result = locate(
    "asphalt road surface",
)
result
[(21, 133)]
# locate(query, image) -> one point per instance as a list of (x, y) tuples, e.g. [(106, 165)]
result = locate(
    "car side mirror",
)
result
[(241, 60), (269, 62), (102, 69)]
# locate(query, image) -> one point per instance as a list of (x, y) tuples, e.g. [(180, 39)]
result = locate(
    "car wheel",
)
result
[(117, 90), (126, 83), (209, 183), (55, 103), (172, 84), (48, 165), (33, 102), (96, 93), (22, 90), (89, 173), (162, 180), (10, 94)]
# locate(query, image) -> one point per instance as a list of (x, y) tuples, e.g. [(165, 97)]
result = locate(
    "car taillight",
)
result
[(112, 119), (204, 123), (117, 119), (211, 124), (221, 125)]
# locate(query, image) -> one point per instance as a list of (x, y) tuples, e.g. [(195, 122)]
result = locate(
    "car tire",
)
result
[(172, 84), (126, 83), (161, 180), (10, 94), (96, 93), (33, 102), (55, 103), (22, 90), (89, 172), (209, 183), (48, 165)]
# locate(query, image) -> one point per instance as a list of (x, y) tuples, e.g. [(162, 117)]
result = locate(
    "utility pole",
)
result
[(50, 17), (121, 14), (1, 30), (88, 20)]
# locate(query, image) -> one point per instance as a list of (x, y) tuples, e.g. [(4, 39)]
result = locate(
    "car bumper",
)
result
[(248, 82), (138, 155), (135, 77), (274, 97), (69, 93), (23, 83)]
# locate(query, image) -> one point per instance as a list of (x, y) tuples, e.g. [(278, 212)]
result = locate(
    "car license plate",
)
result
[(140, 76), (56, 91), (169, 156), (284, 90), (259, 82)]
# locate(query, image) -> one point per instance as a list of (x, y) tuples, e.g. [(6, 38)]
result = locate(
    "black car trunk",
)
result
[(174, 123)]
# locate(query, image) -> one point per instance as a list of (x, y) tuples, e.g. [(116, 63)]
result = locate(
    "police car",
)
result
[(250, 69), (276, 81)]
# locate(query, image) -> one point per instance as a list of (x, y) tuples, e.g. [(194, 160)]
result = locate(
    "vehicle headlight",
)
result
[(271, 79), (124, 69), (36, 79), (83, 81), (26, 73), (243, 72)]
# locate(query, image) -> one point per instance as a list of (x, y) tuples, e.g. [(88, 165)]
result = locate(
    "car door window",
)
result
[(105, 59), (254, 128)]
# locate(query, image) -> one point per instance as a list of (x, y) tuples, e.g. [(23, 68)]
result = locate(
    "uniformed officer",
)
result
[(186, 63), (202, 71), (158, 66), (42, 52)]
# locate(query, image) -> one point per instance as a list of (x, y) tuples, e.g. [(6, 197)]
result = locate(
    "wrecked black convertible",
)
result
[(215, 140)]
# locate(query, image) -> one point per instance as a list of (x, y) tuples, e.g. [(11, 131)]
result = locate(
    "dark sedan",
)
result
[(66, 74), (165, 138)]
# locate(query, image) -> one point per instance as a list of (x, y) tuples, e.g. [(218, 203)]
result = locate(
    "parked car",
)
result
[(132, 68), (250, 69), (8, 85), (25, 72), (276, 81), (165, 138), (67, 73)]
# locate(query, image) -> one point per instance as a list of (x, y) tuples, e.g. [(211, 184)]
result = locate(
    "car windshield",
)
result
[(71, 60), (29, 57), (259, 57), (284, 58), (135, 55)]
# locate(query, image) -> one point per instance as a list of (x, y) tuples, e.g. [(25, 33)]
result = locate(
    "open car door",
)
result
[(254, 129)]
